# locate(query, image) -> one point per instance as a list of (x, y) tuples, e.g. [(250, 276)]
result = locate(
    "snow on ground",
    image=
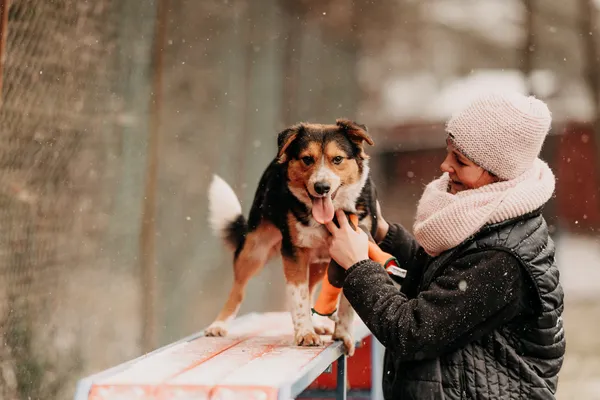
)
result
[(578, 259)]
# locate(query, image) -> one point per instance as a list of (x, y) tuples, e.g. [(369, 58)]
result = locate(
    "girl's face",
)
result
[(464, 173)]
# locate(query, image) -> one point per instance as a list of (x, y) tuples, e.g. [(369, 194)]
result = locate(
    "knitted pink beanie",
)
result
[(501, 132)]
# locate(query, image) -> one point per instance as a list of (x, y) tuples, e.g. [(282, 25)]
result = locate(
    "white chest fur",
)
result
[(312, 236)]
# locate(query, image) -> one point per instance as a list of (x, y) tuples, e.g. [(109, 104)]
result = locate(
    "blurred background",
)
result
[(115, 114)]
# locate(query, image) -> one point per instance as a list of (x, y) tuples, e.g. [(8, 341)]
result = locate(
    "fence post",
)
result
[(148, 231), (4, 5)]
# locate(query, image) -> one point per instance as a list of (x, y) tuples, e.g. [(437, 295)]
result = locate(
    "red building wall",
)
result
[(577, 179)]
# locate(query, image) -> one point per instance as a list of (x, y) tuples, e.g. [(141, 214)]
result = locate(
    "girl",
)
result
[(478, 315)]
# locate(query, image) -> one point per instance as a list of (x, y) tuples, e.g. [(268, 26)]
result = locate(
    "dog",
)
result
[(318, 169)]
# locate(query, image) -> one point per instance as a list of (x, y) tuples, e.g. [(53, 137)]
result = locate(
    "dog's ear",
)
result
[(284, 140), (356, 132)]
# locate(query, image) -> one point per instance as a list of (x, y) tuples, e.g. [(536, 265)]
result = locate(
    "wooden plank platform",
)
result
[(257, 360)]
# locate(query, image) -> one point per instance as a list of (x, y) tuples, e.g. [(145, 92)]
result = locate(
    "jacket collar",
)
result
[(435, 263), (492, 227)]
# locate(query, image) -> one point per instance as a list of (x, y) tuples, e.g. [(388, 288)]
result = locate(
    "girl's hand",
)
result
[(382, 226), (346, 245)]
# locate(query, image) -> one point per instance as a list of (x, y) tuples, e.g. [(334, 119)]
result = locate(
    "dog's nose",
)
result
[(322, 187)]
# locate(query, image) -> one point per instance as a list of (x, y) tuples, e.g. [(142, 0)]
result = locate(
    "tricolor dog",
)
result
[(318, 169)]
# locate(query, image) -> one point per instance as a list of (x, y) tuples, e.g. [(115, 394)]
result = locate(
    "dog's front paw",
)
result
[(323, 330), (346, 337), (307, 338), (217, 328), (322, 325)]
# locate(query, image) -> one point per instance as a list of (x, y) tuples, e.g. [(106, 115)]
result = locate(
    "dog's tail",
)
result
[(225, 213)]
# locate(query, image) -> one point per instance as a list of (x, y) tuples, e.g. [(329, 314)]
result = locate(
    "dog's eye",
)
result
[(338, 160), (307, 160)]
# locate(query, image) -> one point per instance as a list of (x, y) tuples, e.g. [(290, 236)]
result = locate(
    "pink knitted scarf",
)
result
[(446, 220)]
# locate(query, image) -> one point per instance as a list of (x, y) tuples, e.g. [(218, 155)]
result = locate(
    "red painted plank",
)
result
[(158, 368), (244, 393), (274, 368), (215, 370), (148, 392), (252, 362)]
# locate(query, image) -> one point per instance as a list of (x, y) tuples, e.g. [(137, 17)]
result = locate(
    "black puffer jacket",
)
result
[(480, 321)]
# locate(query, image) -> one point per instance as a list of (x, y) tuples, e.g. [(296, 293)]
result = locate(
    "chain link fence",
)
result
[(61, 135)]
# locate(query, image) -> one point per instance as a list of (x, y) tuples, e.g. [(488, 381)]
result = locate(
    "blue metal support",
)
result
[(341, 389)]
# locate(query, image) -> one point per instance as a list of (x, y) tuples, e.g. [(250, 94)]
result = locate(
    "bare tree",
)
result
[(528, 45), (588, 33)]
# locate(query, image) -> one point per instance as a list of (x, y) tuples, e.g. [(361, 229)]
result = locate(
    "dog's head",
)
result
[(327, 166)]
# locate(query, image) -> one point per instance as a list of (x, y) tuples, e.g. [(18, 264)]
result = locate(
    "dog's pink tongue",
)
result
[(322, 209)]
